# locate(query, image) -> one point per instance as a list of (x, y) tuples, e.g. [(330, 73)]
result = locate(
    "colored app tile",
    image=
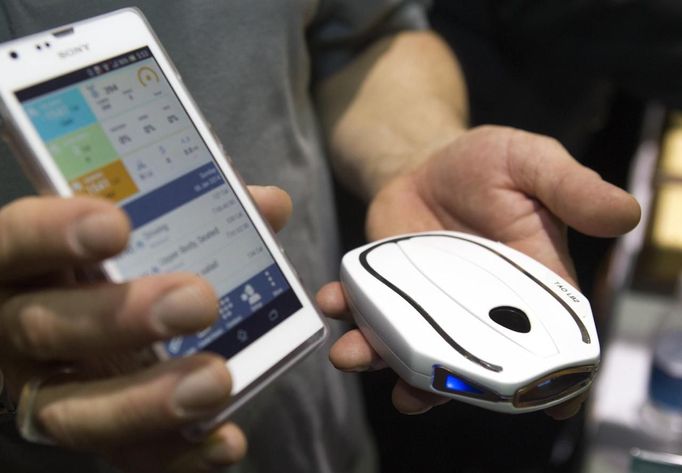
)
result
[(82, 151), (111, 182), (59, 114)]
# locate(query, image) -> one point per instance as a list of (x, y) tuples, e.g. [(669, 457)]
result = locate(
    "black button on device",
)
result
[(511, 318)]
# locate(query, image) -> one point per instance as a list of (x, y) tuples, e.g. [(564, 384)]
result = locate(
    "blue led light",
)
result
[(453, 383), (544, 383)]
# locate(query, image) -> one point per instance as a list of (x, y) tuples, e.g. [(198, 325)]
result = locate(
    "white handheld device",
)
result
[(472, 319), (97, 108)]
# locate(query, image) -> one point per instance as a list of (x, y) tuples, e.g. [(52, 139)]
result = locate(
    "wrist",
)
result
[(380, 172)]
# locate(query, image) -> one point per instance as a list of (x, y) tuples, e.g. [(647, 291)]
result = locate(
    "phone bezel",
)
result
[(273, 352)]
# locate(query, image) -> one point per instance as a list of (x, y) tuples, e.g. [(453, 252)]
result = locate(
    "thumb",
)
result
[(542, 168), (274, 203)]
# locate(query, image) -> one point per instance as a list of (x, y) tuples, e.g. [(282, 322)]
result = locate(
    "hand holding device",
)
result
[(98, 328), (473, 320), (507, 185), (48, 319)]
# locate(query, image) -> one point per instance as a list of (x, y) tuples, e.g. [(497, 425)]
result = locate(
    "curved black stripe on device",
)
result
[(363, 260), (585, 335), (461, 350)]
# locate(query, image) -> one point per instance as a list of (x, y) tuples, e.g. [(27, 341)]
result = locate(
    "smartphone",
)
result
[(90, 110)]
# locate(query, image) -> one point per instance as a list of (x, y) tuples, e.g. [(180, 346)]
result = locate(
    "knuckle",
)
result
[(11, 212), (6, 218), (34, 334), (549, 142), (488, 129), (141, 411), (13, 216), (167, 409), (55, 421)]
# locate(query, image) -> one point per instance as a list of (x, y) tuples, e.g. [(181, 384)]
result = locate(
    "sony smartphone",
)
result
[(89, 110)]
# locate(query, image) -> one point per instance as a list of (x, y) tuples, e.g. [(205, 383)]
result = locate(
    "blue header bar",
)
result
[(174, 194)]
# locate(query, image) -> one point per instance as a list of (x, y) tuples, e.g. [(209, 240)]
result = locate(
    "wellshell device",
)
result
[(473, 320)]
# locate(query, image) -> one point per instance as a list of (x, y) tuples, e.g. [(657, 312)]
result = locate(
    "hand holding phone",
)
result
[(96, 330), (104, 115), (110, 400)]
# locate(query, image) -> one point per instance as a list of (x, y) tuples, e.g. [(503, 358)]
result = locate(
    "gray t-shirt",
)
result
[(250, 65)]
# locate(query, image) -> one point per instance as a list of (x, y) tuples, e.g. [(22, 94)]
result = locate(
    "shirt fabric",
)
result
[(250, 65)]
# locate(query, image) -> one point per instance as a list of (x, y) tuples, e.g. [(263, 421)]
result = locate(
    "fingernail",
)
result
[(100, 232), (183, 310), (200, 393)]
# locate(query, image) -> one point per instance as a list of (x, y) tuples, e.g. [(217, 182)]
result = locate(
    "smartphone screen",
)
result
[(116, 129)]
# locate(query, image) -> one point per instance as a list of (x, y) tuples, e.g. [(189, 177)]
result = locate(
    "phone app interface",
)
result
[(117, 130)]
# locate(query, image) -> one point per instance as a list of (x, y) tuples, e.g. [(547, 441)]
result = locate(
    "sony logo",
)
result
[(73, 51)]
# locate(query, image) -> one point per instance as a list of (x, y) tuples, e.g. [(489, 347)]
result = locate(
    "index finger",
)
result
[(39, 235)]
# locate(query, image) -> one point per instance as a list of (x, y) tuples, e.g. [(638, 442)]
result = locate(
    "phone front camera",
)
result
[(14, 55)]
